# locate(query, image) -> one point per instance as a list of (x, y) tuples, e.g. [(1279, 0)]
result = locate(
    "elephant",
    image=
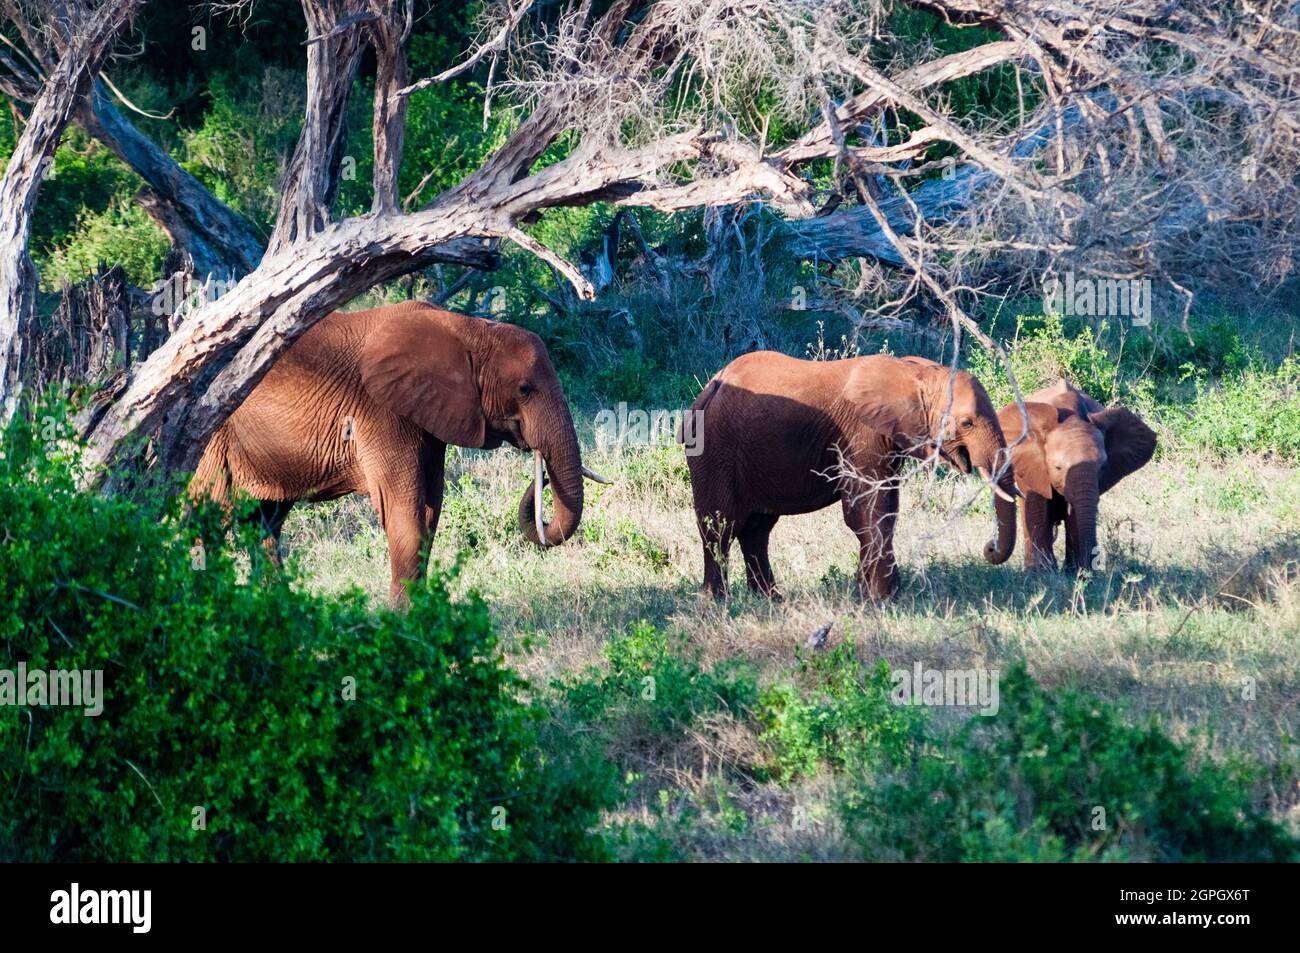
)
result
[(368, 401), (1075, 450), (775, 435)]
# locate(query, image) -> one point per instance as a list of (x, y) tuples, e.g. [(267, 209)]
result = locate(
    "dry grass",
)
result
[(1200, 593)]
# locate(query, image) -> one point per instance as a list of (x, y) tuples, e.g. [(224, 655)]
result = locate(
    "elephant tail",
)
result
[(694, 416)]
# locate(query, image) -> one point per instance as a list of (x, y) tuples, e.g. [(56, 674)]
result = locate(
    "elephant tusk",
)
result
[(1001, 493), (537, 497), (593, 475)]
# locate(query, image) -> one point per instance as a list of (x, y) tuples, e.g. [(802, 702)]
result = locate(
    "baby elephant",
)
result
[(1075, 451), (777, 436)]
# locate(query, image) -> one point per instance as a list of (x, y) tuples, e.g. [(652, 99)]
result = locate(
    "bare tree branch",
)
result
[(93, 35)]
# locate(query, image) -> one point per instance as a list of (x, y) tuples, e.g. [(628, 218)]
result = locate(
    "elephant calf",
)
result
[(367, 402), (1074, 452), (779, 436)]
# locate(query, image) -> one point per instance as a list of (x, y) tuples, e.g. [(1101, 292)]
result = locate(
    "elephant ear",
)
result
[(1029, 456), (415, 365), (885, 395), (1130, 443)]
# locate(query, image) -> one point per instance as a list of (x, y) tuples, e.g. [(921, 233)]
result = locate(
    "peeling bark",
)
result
[(85, 54)]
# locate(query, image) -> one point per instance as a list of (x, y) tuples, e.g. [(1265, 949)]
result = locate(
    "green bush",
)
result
[(246, 138), (655, 684), (1256, 409), (306, 728), (1028, 784), (121, 234), (474, 519), (846, 721), (87, 183), (1041, 355)]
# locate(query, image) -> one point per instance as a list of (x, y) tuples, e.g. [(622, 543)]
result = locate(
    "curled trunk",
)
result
[(563, 461), (998, 551), (989, 455)]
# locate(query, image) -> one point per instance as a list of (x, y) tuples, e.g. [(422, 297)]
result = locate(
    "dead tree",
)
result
[(219, 239), (90, 35), (1134, 119), (88, 337)]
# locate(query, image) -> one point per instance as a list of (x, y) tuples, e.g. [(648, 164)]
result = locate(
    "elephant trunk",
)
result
[(999, 550), (1081, 493), (992, 456), (558, 449)]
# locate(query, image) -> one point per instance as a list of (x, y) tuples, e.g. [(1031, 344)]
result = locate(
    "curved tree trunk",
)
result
[(86, 51), (220, 241)]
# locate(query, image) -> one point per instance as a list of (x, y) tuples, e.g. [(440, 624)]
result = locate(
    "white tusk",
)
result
[(593, 475), (537, 497), (1001, 493)]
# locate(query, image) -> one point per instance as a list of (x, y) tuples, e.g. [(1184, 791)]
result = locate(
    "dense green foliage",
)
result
[(305, 728), (846, 720), (229, 688), (1221, 399), (1060, 776), (1051, 775), (652, 686)]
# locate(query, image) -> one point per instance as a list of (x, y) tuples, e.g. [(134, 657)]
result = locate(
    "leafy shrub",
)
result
[(473, 519), (848, 722), (1216, 346), (1027, 783), (655, 684), (1041, 355), (246, 139), (307, 728), (630, 377), (121, 234), (619, 538), (86, 181), (1257, 409), (658, 469)]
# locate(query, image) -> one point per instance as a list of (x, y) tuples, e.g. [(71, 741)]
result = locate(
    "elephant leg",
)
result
[(1036, 517), (871, 514), (402, 514), (753, 545), (1073, 538), (269, 517), (716, 531), (434, 461)]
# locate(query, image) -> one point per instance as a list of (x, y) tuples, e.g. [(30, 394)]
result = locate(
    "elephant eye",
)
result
[(525, 390), (967, 423)]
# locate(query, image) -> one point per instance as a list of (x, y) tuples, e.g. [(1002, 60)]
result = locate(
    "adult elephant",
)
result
[(1074, 452), (367, 402), (777, 436)]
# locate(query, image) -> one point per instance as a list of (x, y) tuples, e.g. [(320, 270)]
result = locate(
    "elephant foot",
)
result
[(878, 592), (399, 600)]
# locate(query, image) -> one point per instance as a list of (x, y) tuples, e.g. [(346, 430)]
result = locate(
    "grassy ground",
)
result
[(1196, 617)]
